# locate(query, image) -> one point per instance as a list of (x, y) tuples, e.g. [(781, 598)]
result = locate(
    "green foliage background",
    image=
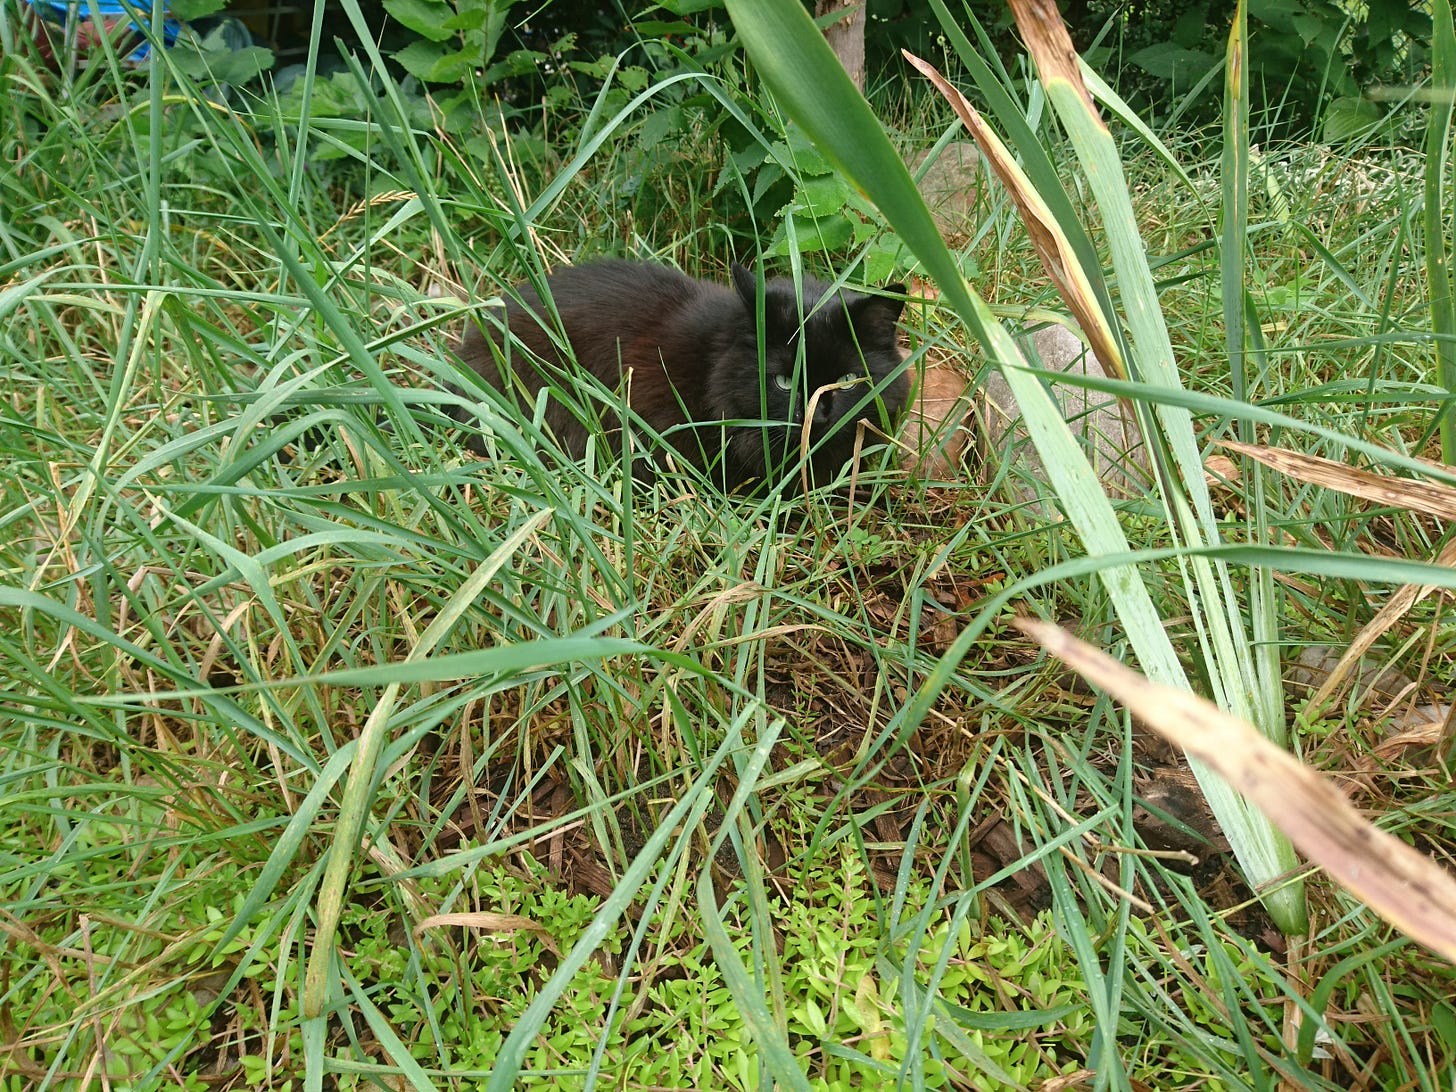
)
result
[(1311, 62)]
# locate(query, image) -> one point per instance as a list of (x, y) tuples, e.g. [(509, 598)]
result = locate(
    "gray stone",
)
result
[(951, 185), (1109, 435)]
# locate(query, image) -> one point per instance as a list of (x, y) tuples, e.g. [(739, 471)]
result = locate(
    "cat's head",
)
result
[(832, 354)]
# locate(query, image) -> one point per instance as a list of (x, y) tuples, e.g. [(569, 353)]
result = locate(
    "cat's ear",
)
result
[(747, 286), (871, 312)]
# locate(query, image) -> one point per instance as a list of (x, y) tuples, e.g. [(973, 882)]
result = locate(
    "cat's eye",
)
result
[(849, 379), (783, 383)]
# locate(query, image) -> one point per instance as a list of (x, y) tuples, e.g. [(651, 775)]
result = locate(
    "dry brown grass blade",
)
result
[(1398, 883), (1432, 498), (492, 922), (1050, 46), (1400, 604), (1051, 243)]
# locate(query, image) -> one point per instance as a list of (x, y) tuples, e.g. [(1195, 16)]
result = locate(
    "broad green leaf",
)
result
[(427, 18), (1173, 62), (189, 10), (1347, 118), (433, 63), (224, 66)]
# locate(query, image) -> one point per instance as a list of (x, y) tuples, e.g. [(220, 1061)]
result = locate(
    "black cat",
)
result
[(686, 352)]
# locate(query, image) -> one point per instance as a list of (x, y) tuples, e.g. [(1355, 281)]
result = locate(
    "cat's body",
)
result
[(686, 354)]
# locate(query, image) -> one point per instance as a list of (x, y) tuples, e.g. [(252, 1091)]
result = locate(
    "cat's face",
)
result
[(831, 359)]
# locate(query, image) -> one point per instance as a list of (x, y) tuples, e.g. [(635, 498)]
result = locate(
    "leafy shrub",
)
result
[(1313, 60)]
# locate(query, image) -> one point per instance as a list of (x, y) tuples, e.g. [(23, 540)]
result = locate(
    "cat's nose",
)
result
[(824, 409)]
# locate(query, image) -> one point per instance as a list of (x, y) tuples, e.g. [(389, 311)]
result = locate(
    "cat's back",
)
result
[(609, 309), (617, 294), (620, 314)]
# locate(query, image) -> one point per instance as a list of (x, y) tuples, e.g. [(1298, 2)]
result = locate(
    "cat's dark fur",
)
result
[(686, 352)]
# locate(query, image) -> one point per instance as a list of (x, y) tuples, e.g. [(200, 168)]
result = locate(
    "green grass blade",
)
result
[(1249, 690), (1244, 349), (353, 809), (1032, 156), (1439, 275), (690, 809), (806, 77)]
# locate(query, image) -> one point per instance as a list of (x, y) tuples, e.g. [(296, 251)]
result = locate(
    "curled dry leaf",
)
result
[(1052, 245), (1411, 892), (934, 428), (491, 922), (1431, 734), (1220, 470)]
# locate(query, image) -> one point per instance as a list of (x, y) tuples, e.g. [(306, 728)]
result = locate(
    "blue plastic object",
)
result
[(62, 13)]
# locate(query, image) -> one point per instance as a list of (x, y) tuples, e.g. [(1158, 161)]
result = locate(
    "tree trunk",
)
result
[(846, 37)]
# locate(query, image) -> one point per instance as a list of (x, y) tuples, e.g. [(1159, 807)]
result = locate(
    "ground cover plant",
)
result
[(334, 756)]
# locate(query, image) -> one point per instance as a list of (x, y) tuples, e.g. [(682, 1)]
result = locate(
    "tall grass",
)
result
[(332, 754)]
